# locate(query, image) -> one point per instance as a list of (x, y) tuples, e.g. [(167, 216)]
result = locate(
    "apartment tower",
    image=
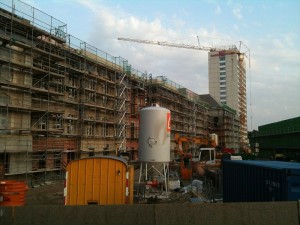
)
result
[(227, 84)]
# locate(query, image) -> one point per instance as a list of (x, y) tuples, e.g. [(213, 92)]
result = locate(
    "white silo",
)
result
[(154, 136), (154, 143)]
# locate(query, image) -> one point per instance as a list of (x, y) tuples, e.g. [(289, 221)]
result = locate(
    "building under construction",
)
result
[(62, 99)]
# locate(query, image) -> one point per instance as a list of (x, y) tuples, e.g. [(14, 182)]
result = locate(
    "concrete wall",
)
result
[(234, 214), (15, 143), (19, 164)]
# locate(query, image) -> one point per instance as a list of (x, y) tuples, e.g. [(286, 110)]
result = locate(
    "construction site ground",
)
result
[(52, 193), (48, 193)]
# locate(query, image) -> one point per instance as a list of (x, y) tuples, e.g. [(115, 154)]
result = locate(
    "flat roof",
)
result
[(270, 164)]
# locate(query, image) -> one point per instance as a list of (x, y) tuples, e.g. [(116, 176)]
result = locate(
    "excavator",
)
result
[(185, 149), (183, 142)]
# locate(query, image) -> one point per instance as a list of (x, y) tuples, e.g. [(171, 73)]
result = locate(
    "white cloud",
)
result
[(275, 79), (185, 67), (274, 72), (237, 12)]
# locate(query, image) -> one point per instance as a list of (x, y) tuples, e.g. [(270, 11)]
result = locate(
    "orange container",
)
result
[(12, 193)]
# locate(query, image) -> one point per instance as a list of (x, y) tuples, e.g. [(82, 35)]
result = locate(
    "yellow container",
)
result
[(101, 180)]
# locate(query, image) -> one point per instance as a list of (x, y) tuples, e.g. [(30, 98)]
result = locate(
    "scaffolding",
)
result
[(189, 114), (242, 104), (57, 93), (30, 81), (62, 99)]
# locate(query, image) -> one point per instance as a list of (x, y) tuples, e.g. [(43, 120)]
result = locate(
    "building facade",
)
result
[(227, 84), (63, 99), (224, 122)]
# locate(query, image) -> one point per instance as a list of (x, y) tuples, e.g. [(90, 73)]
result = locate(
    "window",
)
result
[(72, 93), (43, 124), (42, 85), (97, 114), (4, 98), (90, 97), (104, 88), (57, 80), (92, 84), (70, 127), (222, 73), (222, 58), (59, 88), (58, 121), (3, 119), (223, 88), (4, 160), (222, 78), (104, 100), (27, 79), (104, 130), (133, 108), (132, 130), (222, 63), (223, 68), (90, 129), (223, 99), (222, 83), (41, 160), (222, 92), (57, 161), (72, 81), (70, 156)]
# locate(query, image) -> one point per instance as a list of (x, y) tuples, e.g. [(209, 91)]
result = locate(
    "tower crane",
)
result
[(176, 45), (203, 48)]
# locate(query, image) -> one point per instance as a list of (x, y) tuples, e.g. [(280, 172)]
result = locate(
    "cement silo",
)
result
[(154, 144), (154, 136)]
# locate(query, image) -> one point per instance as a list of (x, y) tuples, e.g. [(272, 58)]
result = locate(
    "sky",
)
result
[(269, 31)]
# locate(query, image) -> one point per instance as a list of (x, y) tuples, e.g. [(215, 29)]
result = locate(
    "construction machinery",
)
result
[(186, 151), (185, 143)]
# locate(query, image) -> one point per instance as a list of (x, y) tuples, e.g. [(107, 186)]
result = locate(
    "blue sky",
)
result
[(270, 29)]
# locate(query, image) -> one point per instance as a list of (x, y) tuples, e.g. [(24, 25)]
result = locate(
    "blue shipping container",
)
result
[(260, 181)]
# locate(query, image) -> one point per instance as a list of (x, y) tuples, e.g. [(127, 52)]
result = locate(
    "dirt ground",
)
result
[(47, 194), (53, 194)]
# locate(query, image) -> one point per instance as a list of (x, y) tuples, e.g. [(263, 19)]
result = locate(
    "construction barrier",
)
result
[(271, 213), (12, 193)]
